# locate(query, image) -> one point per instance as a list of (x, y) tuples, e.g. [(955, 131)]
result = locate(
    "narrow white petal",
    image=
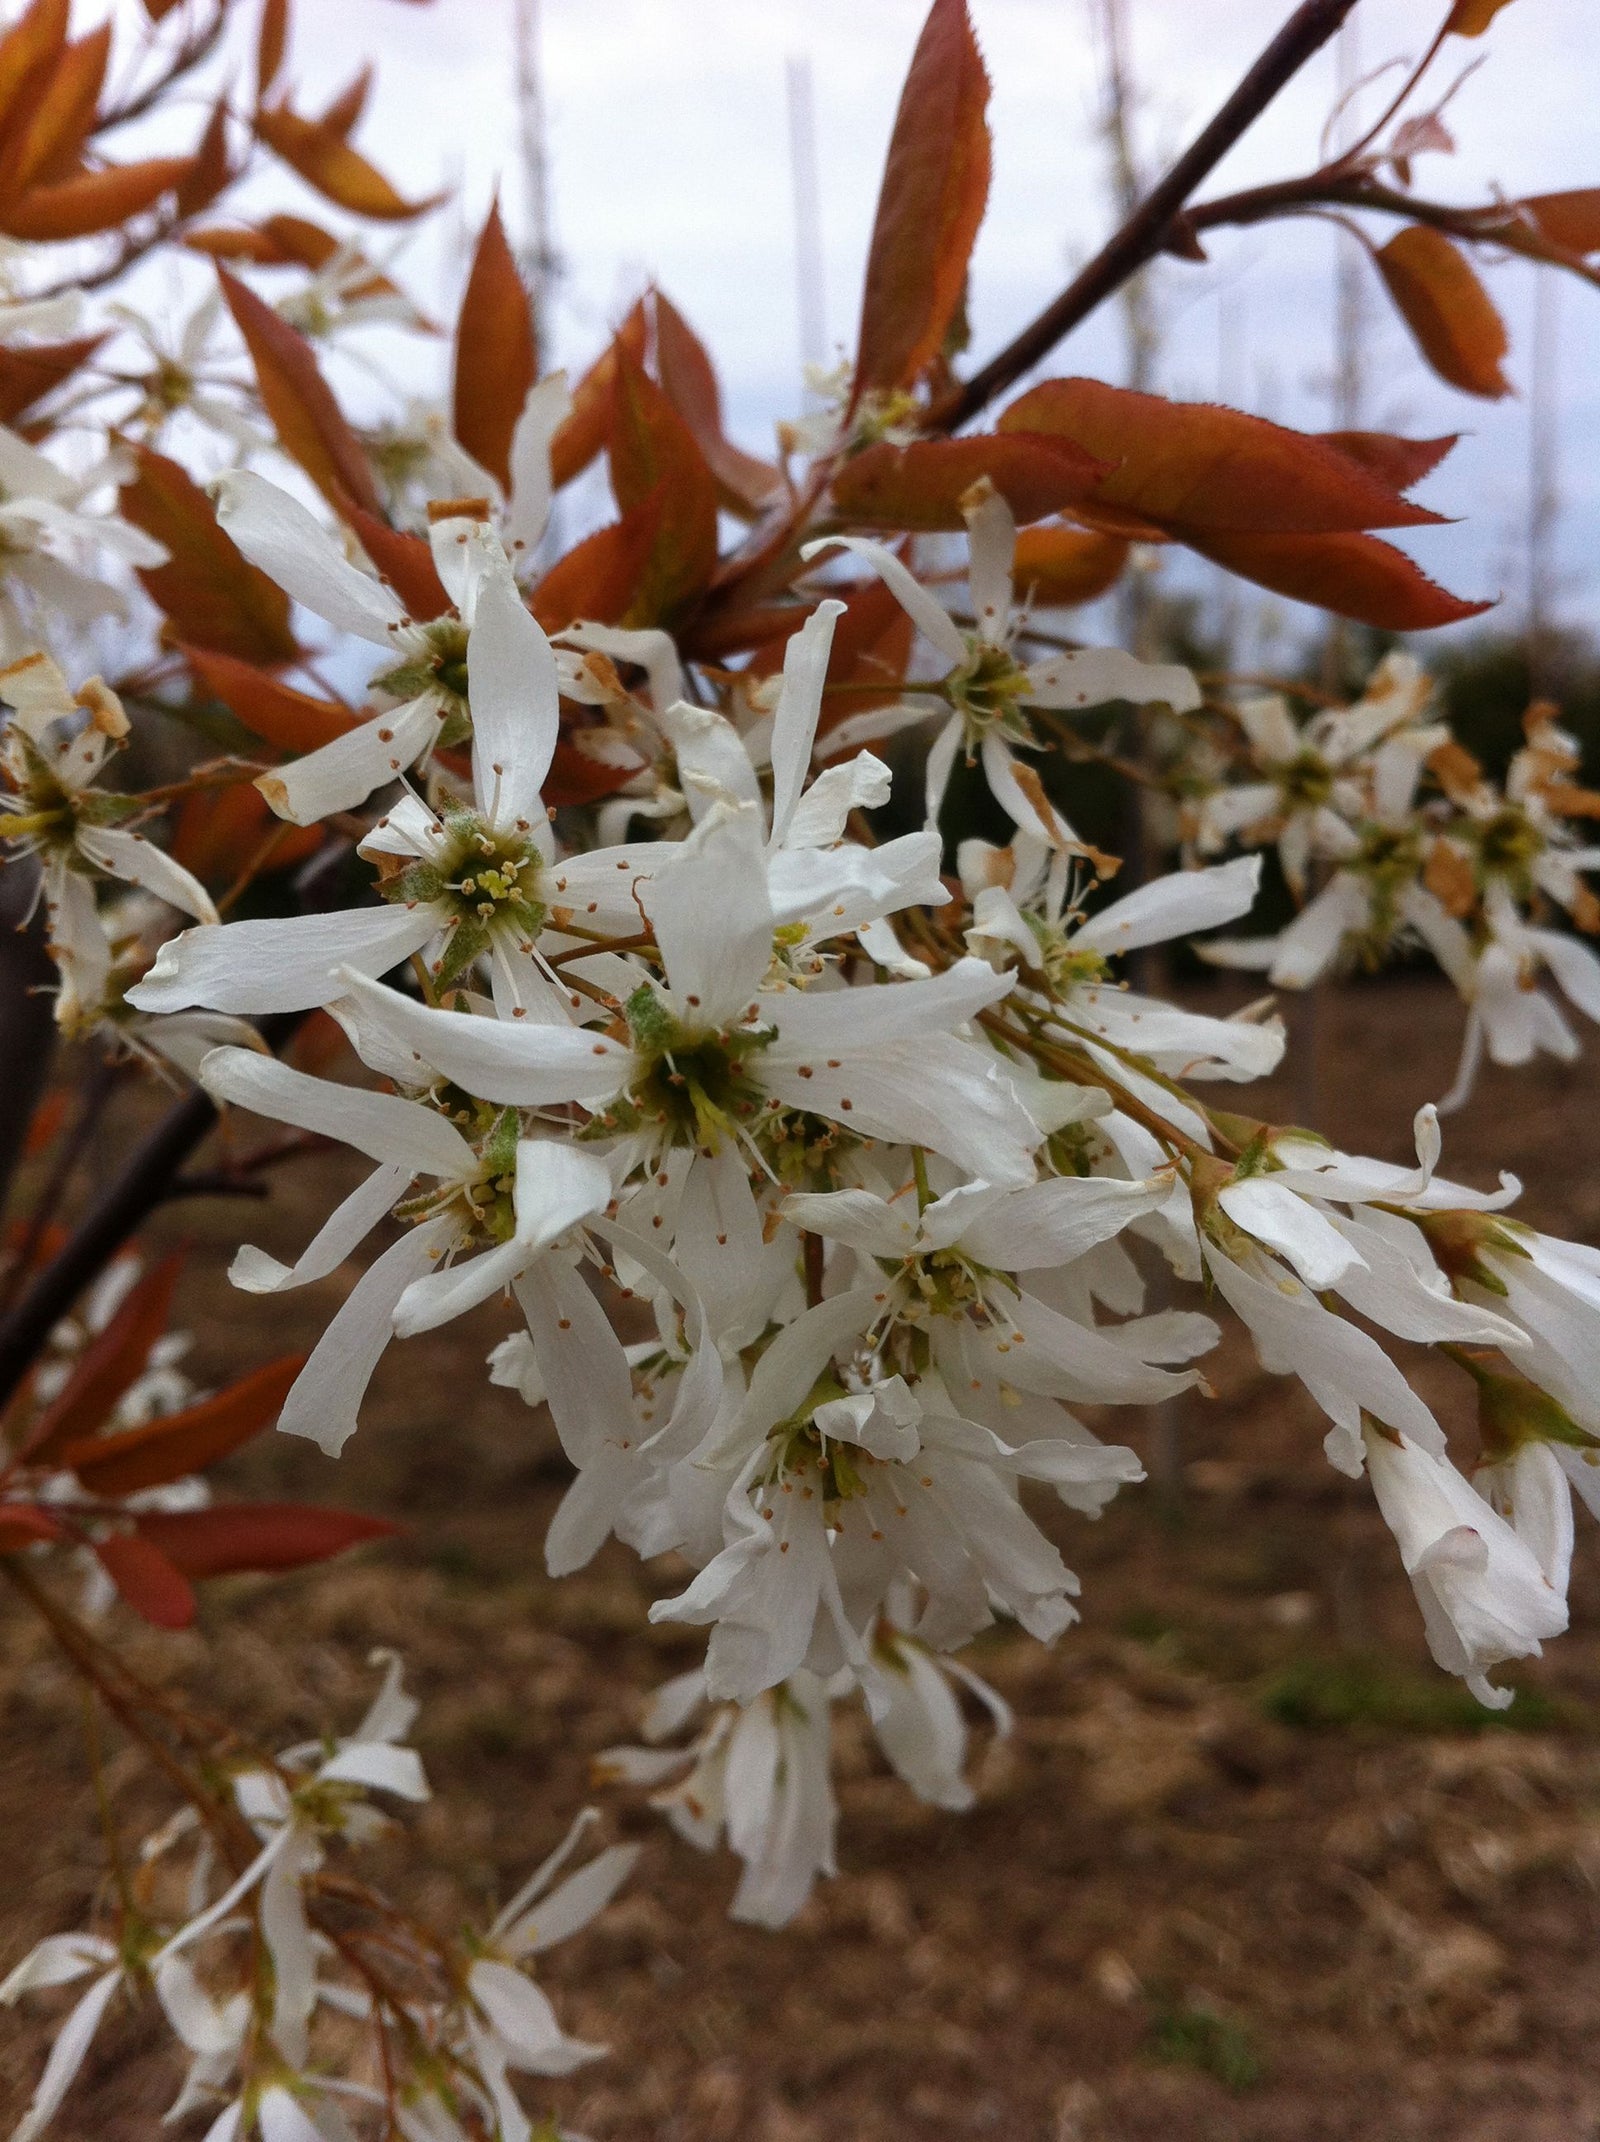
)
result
[(392, 1130), (293, 548), (340, 776), (326, 1398), (517, 1064), (1172, 906), (926, 612), (346, 1228), (140, 862), (277, 965), (516, 704), (794, 725), (528, 508)]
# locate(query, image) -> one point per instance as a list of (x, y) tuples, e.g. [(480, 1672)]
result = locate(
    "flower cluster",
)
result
[(239, 1926), (1473, 872)]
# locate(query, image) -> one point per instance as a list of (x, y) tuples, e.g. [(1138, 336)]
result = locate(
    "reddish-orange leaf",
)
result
[(1352, 575), (1392, 459), (218, 832), (256, 1535), (209, 170), (1206, 466), (27, 50), (922, 485), (219, 241), (108, 1365), (55, 121), (587, 429), (186, 1442), (344, 113), (935, 186), (298, 238), (405, 561), (1058, 567), (1452, 317), (653, 451), (294, 721), (1470, 18), (212, 595), (576, 778), (325, 160), (27, 374), (147, 1579), (1568, 220), (159, 10), (93, 200), (23, 1524), (310, 425), (497, 352), (597, 577), (272, 42), (745, 483)]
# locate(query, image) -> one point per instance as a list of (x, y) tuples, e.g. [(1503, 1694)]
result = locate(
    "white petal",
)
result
[(67, 2056), (926, 612), (399, 1132), (345, 1229), (1091, 676), (991, 553), (712, 919), (341, 775), (713, 764), (794, 725), (1293, 1226), (140, 862), (279, 965), (56, 1961), (276, 533), (517, 1064), (528, 509), (842, 1022), (580, 1898), (1050, 1223), (1172, 906), (516, 704), (326, 1398)]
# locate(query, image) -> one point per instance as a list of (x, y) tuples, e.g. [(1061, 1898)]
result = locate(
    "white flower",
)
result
[(497, 1204), (426, 673), (1317, 781), (57, 1961), (1020, 911), (45, 525), (1483, 1595), (762, 1773), (986, 690), (1507, 1013), (920, 1728), (53, 750)]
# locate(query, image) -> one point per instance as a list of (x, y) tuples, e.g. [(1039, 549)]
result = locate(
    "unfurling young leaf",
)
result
[(256, 1536), (1452, 317), (325, 160), (294, 721), (587, 429), (496, 353), (745, 484), (147, 1580), (1057, 567), (272, 41), (112, 1360), (935, 188), (182, 1443), (93, 201), (1569, 220)]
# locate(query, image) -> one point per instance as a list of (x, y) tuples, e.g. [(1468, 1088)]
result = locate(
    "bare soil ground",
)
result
[(1249, 1869)]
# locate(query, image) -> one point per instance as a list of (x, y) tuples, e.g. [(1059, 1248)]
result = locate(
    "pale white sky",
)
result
[(669, 158)]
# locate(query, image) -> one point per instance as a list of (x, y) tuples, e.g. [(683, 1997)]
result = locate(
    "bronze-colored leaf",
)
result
[(1451, 316), (496, 352)]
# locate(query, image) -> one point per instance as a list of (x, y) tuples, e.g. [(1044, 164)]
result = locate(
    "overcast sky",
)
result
[(669, 158)]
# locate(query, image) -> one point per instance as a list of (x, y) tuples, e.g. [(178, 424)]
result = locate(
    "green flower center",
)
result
[(987, 690), (1305, 782), (1508, 845), (439, 667), (486, 880), (485, 1205), (695, 1086)]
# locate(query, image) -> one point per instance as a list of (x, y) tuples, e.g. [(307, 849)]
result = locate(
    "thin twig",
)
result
[(1147, 230)]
